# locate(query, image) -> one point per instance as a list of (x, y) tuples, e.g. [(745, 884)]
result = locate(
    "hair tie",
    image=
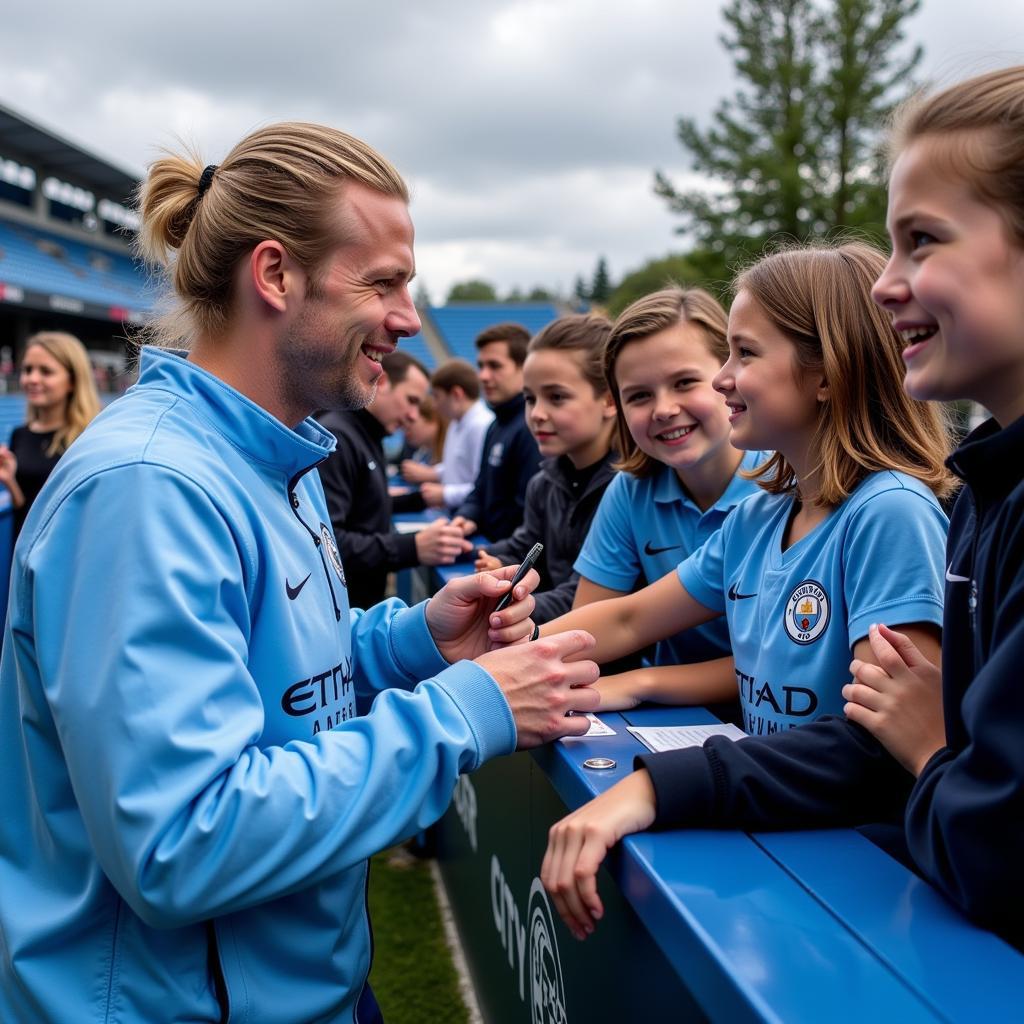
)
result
[(205, 178)]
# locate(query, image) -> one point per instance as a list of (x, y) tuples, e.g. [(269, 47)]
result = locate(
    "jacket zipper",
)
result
[(369, 933), (220, 985), (293, 500)]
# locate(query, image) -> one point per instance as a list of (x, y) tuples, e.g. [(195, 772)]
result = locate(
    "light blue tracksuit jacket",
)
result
[(188, 788)]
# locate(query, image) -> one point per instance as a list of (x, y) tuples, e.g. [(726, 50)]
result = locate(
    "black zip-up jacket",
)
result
[(356, 486), (510, 459), (964, 817), (558, 513)]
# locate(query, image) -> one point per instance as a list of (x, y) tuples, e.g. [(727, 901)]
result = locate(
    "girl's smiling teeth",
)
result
[(676, 433), (914, 334)]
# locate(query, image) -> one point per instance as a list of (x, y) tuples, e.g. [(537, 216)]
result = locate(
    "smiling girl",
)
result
[(572, 417), (681, 478), (847, 529), (954, 288)]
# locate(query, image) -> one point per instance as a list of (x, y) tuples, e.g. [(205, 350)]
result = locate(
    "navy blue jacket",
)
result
[(510, 459), (965, 818)]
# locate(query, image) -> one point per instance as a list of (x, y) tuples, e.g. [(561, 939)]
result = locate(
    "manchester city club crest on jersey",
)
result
[(807, 612), (327, 536)]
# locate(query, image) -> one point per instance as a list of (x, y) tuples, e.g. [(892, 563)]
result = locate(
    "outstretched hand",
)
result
[(461, 616), (579, 843), (899, 700)]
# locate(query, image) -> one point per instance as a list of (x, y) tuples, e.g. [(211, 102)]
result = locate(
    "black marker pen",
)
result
[(527, 564)]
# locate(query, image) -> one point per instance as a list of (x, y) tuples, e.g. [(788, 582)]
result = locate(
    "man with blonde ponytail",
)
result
[(193, 773)]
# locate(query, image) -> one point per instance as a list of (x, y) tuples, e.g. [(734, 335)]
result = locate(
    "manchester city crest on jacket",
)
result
[(327, 536)]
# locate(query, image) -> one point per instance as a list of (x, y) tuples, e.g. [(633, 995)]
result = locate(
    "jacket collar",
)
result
[(507, 410), (668, 487), (986, 457), (561, 473), (249, 427)]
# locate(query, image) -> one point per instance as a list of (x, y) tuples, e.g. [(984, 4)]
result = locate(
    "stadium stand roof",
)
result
[(24, 140), (460, 323)]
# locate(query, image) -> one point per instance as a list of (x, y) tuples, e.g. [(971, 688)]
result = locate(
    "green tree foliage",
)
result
[(651, 277), (601, 288), (794, 152), (472, 291), (862, 72)]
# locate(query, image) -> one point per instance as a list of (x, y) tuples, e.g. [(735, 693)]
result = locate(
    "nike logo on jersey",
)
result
[(734, 595), (650, 550), (951, 577), (293, 592)]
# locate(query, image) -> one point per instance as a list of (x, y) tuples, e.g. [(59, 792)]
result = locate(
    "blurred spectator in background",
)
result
[(456, 390), (511, 456), (356, 486), (424, 437), (58, 384)]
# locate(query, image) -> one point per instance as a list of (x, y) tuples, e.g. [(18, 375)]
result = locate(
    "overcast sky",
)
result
[(528, 130)]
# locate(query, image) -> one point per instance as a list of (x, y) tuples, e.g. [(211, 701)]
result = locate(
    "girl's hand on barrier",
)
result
[(578, 844)]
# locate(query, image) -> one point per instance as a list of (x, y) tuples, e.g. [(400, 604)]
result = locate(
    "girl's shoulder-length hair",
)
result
[(819, 296)]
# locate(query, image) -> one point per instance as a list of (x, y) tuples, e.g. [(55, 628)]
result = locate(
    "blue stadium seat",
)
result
[(12, 414), (39, 261), (418, 348), (459, 324)]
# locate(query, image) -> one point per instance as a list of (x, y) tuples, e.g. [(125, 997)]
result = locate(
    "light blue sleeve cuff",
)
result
[(604, 576), (710, 597), (896, 613), (412, 646), (484, 706)]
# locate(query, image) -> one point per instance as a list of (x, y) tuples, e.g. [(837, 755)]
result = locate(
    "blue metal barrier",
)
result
[(700, 925)]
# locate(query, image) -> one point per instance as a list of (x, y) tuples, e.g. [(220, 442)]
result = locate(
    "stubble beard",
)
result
[(312, 376)]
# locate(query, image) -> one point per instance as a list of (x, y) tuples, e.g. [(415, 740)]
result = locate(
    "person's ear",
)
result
[(609, 412), (276, 278), (822, 394)]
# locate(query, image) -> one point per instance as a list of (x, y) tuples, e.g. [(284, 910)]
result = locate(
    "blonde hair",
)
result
[(819, 296), (278, 183), (640, 320), (83, 403), (981, 121)]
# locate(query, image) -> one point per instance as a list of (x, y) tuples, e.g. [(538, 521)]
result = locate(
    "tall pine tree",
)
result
[(794, 152)]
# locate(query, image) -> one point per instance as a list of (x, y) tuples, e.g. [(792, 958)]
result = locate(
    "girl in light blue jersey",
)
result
[(846, 532), (681, 478), (846, 528)]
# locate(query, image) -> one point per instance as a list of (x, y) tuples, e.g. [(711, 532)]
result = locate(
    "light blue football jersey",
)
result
[(642, 530), (795, 615)]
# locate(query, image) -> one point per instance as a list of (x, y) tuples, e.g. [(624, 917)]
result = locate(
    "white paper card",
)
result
[(675, 737), (406, 527), (597, 728)]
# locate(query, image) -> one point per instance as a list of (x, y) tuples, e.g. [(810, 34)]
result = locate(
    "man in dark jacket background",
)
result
[(495, 506), (356, 486)]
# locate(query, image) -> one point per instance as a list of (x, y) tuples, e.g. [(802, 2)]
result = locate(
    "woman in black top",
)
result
[(57, 380)]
